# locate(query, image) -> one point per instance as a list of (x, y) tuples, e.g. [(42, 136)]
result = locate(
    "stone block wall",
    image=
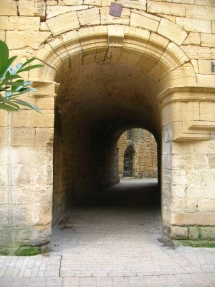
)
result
[(26, 177)]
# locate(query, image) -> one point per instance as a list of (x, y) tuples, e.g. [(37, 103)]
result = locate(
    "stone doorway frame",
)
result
[(178, 86)]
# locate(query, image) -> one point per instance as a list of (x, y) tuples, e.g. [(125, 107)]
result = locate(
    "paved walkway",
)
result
[(113, 240)]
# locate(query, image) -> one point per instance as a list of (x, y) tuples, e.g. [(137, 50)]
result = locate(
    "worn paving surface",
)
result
[(113, 240)]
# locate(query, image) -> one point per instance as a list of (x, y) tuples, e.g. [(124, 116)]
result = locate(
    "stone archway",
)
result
[(138, 70), (99, 61)]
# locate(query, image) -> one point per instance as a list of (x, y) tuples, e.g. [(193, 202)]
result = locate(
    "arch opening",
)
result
[(96, 103), (137, 154), (128, 162)]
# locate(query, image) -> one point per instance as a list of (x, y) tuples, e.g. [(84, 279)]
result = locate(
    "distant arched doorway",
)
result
[(128, 159)]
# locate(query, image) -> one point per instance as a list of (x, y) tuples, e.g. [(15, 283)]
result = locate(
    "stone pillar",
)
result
[(188, 165), (26, 169)]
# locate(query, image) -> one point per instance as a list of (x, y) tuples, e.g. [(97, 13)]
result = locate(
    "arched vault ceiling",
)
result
[(102, 96)]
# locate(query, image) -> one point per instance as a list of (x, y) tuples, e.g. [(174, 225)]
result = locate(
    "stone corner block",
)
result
[(207, 232), (193, 232), (179, 232)]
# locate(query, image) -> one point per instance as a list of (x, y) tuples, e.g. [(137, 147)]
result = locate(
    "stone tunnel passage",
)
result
[(96, 103)]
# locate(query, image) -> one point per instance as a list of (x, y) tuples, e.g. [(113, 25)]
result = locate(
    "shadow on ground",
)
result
[(143, 194)]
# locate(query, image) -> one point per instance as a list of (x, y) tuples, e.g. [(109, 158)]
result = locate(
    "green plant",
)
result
[(12, 85)]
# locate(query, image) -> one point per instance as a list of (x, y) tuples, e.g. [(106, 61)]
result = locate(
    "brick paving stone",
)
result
[(37, 281), (20, 281), (152, 279), (189, 284), (183, 277), (54, 281), (71, 281), (5, 281), (104, 281), (138, 284), (155, 284), (88, 281), (167, 278), (51, 273), (171, 284), (120, 280), (27, 273)]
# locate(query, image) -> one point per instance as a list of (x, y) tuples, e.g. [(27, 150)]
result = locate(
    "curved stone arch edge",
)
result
[(169, 54)]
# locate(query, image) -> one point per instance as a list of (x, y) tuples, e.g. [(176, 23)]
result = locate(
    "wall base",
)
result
[(190, 235), (26, 250)]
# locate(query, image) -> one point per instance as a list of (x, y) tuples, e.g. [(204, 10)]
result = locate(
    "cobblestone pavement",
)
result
[(113, 240)]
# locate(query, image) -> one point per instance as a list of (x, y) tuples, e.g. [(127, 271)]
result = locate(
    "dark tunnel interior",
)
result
[(95, 104)]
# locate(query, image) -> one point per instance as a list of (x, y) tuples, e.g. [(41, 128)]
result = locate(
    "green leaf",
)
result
[(23, 103), (10, 103), (2, 98), (7, 80), (27, 83), (8, 108), (29, 68), (4, 55), (4, 68), (25, 90), (28, 62), (9, 84), (15, 84)]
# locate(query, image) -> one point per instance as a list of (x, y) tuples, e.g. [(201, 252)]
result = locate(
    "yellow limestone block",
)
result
[(70, 2), (192, 39), (172, 31), (69, 20), (21, 39), (200, 12), (144, 20), (89, 17), (208, 40), (194, 25), (8, 7), (32, 8), (166, 8), (106, 18), (53, 11), (19, 23)]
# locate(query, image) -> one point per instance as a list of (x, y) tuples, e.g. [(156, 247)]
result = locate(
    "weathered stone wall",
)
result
[(26, 180), (83, 162), (144, 163), (153, 60)]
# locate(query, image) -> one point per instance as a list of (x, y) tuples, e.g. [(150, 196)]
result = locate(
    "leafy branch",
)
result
[(12, 85)]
